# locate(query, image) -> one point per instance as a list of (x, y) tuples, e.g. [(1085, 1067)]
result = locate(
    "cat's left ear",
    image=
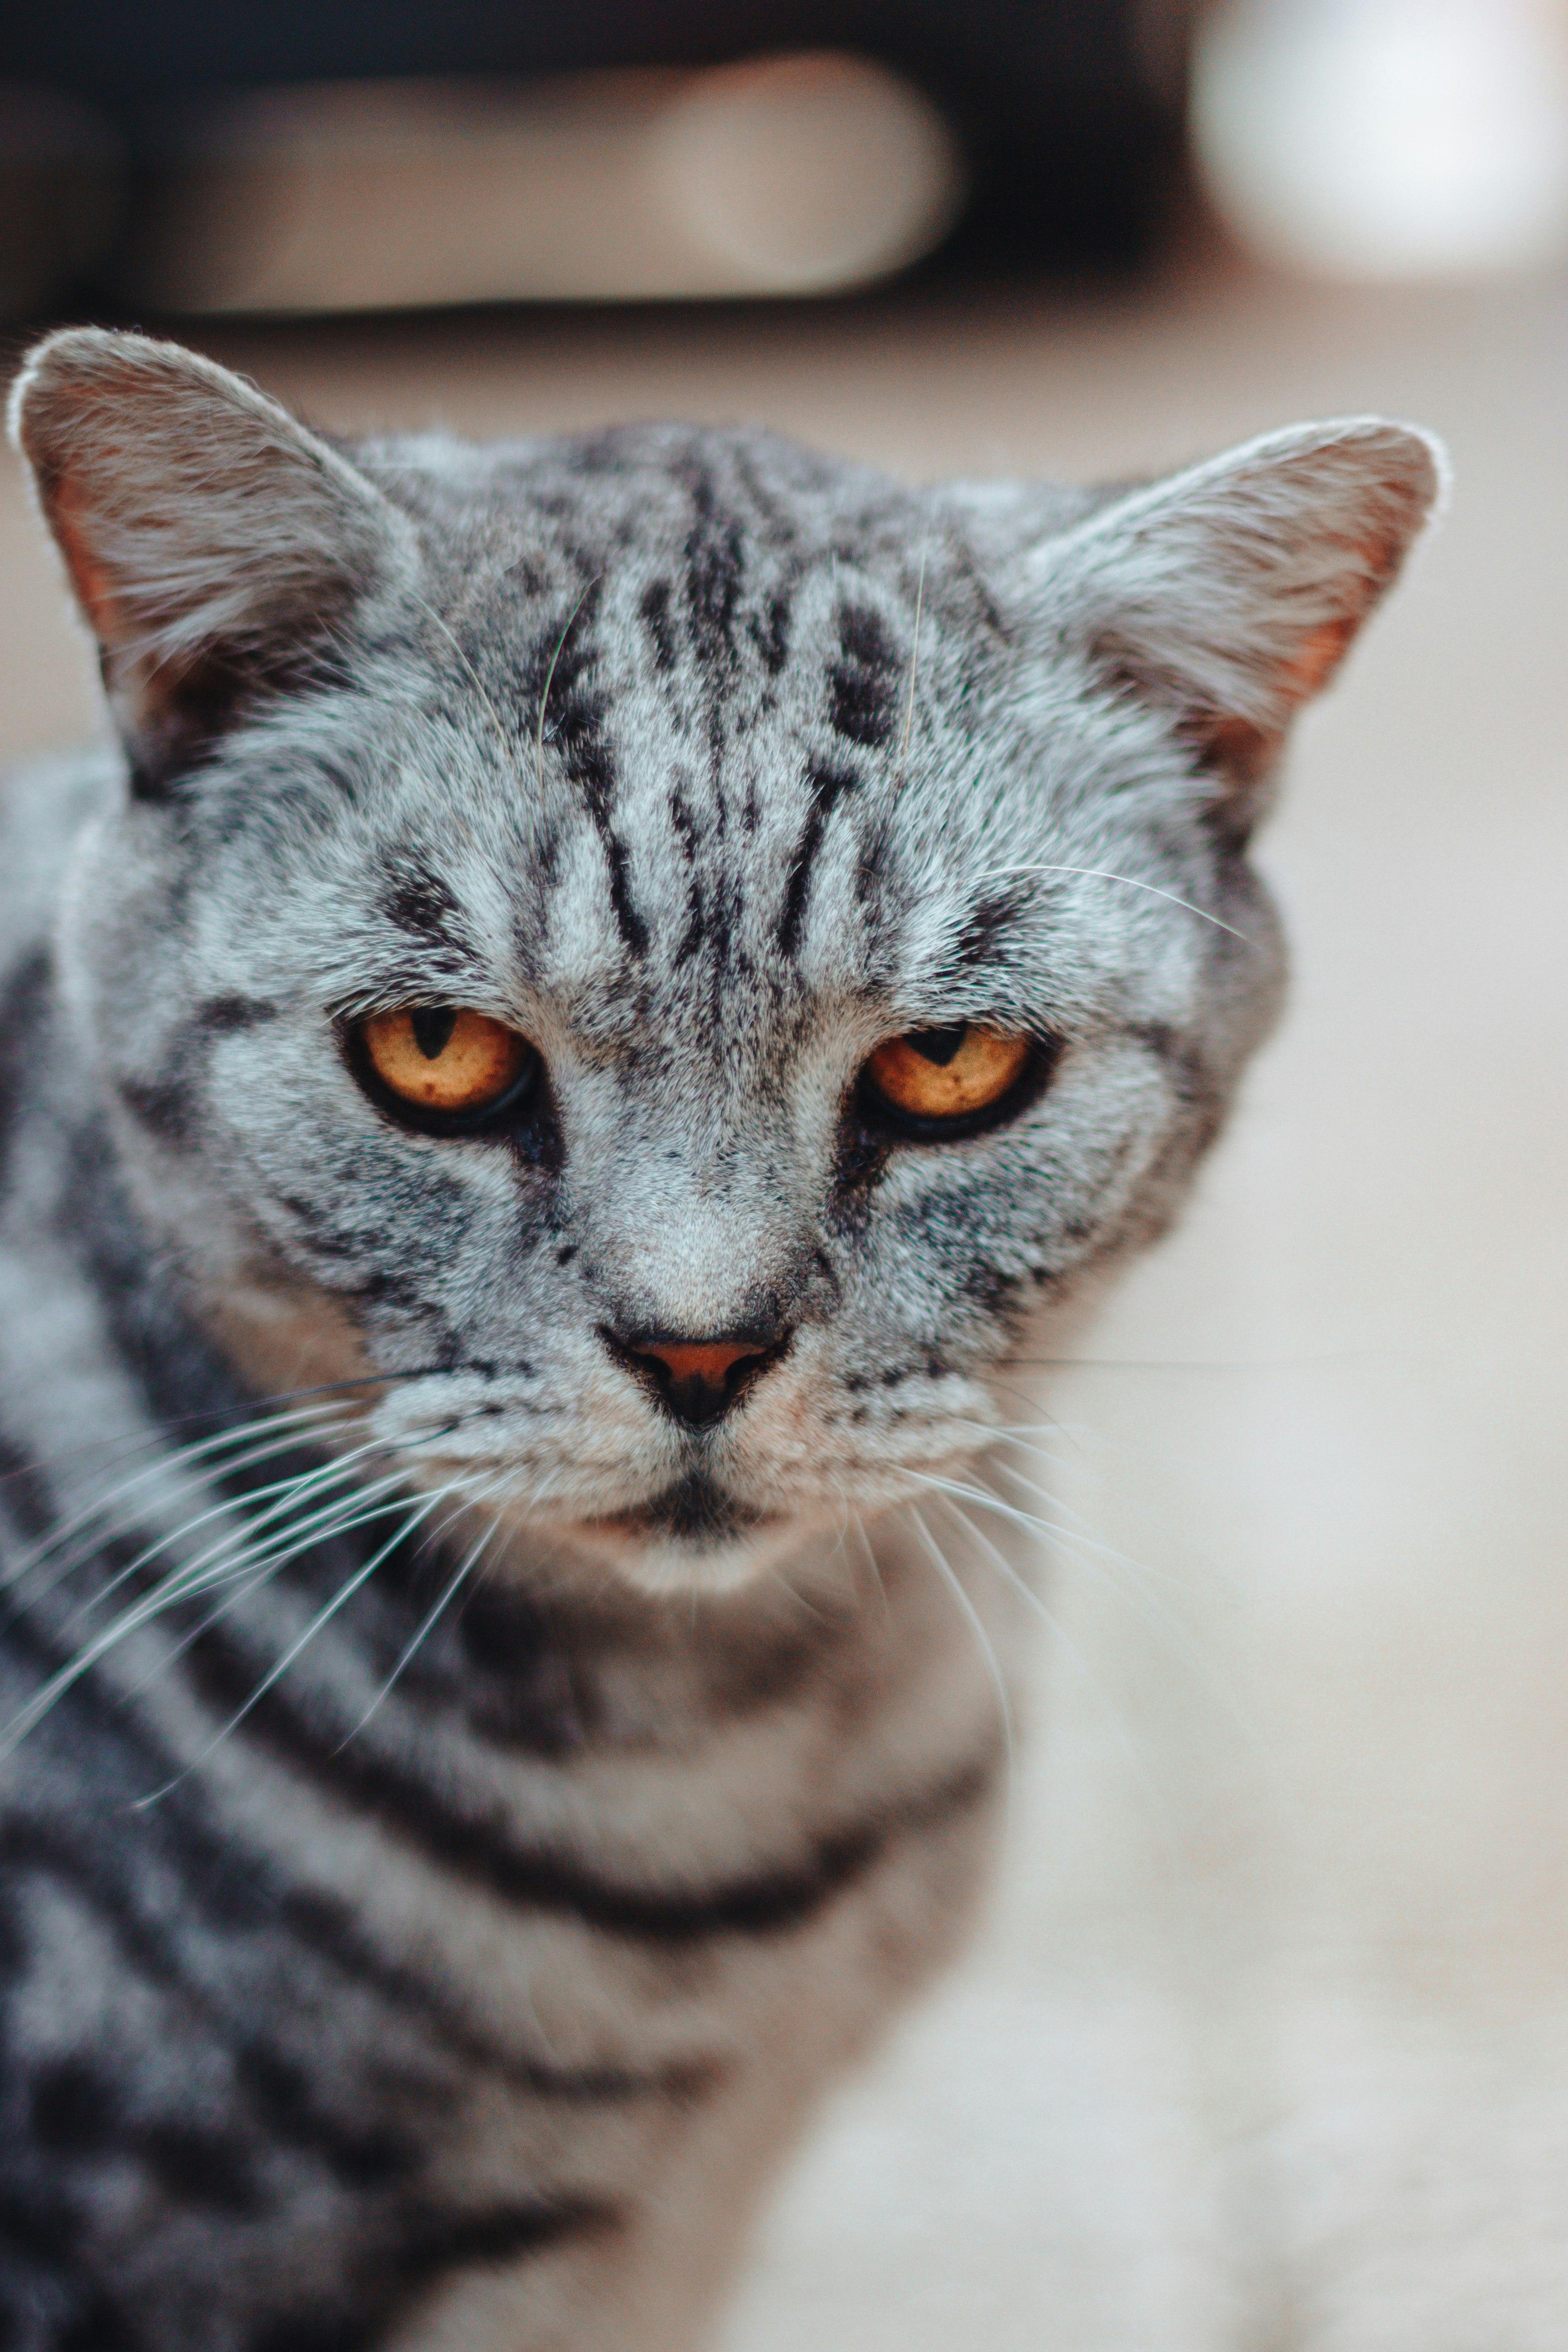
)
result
[(1229, 593), (217, 549)]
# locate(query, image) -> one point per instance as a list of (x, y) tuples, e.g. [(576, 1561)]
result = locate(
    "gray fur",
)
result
[(468, 1976)]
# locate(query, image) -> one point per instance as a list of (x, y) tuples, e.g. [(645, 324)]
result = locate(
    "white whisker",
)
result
[(470, 1561), (1159, 1810), (287, 1492), (417, 1514), (1130, 882), (206, 1454), (951, 1578), (181, 1584), (549, 681)]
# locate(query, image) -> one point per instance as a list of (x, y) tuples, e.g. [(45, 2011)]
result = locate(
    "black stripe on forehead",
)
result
[(572, 713), (864, 683), (654, 609), (983, 938), (715, 567), (416, 900), (769, 629), (827, 787)]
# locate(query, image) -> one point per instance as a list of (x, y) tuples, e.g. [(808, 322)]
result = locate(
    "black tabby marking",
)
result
[(25, 1492), (863, 687), (685, 828), (406, 2265), (715, 566), (478, 1848), (576, 732), (769, 632), (654, 609), (421, 903), (827, 786), (24, 1026)]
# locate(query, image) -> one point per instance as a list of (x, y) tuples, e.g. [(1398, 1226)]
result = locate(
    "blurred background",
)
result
[(1266, 2044)]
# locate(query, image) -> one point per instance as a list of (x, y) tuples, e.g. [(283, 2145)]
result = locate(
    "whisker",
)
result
[(179, 1457), (287, 1492), (1159, 1810), (416, 1516), (258, 1568), (236, 1553), (157, 1437), (1146, 1606), (914, 658), (182, 1584), (949, 1578), (549, 681), (206, 1454), (1078, 1532), (1035, 1522), (469, 1562), (1004, 1433), (1130, 882)]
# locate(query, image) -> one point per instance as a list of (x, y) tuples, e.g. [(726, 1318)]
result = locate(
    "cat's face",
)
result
[(680, 955)]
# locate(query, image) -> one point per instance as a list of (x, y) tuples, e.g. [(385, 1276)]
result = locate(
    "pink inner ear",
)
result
[(1324, 647), (1243, 751), (1319, 656)]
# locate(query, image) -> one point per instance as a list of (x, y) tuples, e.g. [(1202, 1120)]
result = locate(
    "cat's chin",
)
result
[(660, 1566), (691, 1537)]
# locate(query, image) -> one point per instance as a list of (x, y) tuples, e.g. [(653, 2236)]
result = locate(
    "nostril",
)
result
[(695, 1380)]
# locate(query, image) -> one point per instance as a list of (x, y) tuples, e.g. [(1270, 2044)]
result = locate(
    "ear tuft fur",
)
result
[(213, 544)]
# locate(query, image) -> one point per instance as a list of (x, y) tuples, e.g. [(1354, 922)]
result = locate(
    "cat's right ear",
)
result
[(218, 550)]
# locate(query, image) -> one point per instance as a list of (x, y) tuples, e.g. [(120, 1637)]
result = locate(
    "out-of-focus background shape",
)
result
[(1267, 2041), (1387, 139), (296, 155)]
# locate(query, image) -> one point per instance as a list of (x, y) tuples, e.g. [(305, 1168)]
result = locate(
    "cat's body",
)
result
[(511, 1733)]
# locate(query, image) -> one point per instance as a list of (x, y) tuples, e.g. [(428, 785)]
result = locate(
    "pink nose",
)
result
[(698, 1380), (706, 1362)]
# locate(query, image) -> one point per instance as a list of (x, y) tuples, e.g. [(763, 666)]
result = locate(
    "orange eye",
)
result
[(442, 1059), (947, 1074)]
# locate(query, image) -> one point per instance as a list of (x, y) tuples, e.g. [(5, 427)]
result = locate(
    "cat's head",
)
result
[(676, 952)]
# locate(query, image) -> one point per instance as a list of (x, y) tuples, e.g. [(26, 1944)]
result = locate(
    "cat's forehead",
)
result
[(729, 575), (716, 667)]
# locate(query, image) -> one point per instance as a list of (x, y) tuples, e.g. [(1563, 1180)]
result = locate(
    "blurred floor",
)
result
[(1265, 2047)]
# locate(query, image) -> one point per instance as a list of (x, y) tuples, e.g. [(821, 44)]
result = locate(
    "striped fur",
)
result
[(456, 1817)]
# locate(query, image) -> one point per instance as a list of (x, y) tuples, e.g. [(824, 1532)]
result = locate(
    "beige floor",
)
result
[(1266, 2048)]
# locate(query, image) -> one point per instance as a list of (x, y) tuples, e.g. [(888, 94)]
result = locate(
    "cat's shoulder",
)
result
[(44, 806)]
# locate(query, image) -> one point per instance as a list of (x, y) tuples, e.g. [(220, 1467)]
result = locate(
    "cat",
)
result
[(609, 997)]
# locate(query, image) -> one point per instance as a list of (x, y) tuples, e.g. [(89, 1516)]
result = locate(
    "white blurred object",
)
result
[(779, 176), (1387, 139)]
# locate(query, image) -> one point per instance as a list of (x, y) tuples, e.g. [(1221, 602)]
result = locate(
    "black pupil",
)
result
[(433, 1025), (938, 1045)]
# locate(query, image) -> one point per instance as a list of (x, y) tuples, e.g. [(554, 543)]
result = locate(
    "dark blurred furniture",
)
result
[(1069, 111)]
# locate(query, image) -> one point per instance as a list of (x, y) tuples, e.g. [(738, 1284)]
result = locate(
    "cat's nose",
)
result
[(695, 1380)]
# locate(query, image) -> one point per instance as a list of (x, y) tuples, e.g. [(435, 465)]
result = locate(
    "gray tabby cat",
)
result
[(613, 990)]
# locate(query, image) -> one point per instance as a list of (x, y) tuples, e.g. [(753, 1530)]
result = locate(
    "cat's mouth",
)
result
[(689, 1537), (693, 1511)]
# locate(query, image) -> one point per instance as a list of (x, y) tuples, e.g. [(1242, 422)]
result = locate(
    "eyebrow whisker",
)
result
[(1129, 881)]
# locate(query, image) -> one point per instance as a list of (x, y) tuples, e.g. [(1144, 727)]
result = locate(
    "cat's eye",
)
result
[(935, 1078), (449, 1063)]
